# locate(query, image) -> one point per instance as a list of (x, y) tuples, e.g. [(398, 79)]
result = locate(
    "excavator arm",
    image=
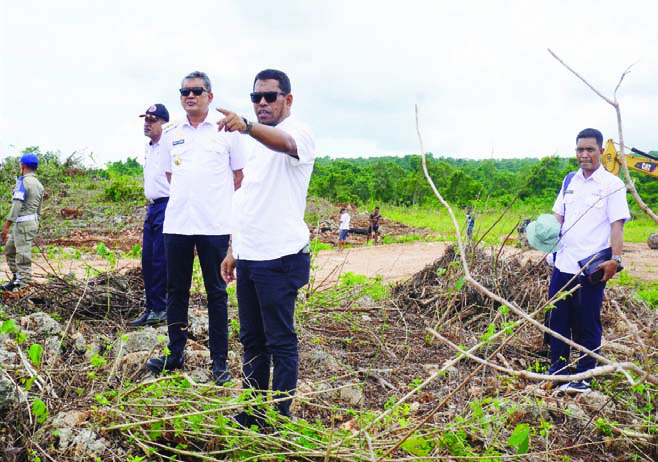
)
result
[(648, 164)]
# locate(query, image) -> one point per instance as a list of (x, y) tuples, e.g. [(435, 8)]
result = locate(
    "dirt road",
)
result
[(393, 262), (399, 261)]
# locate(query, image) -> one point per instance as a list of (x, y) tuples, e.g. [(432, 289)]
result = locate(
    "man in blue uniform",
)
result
[(156, 190)]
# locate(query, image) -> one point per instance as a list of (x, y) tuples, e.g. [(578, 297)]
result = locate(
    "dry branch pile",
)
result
[(112, 294), (438, 287)]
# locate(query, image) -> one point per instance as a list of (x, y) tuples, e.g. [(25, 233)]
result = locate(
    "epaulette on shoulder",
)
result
[(168, 127)]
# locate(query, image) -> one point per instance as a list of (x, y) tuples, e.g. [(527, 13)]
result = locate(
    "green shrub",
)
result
[(120, 188)]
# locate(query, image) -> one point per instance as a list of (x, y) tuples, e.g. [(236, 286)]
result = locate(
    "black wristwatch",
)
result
[(250, 126)]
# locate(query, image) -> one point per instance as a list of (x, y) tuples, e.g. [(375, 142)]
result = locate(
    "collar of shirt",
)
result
[(597, 176), (211, 119)]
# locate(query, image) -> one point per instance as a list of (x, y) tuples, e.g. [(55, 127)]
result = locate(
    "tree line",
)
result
[(360, 181), (490, 182)]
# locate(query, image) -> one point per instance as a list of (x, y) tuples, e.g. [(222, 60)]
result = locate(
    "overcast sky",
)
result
[(75, 74)]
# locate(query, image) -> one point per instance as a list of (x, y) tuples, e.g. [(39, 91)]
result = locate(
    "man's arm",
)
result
[(5, 230), (272, 137), (238, 176), (558, 217), (11, 218), (617, 244)]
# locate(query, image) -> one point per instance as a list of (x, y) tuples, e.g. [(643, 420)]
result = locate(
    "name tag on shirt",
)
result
[(177, 142)]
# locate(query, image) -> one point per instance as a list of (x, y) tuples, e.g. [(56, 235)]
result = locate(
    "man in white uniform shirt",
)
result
[(156, 190), (205, 168), (592, 209), (343, 228), (270, 240)]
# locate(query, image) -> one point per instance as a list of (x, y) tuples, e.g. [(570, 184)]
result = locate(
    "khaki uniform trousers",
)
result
[(18, 250)]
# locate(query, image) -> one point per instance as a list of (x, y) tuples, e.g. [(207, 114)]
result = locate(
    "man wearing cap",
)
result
[(156, 190), (24, 215), (271, 240), (205, 167), (592, 209)]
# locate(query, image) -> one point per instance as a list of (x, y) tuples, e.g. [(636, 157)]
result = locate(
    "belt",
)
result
[(23, 218), (159, 200)]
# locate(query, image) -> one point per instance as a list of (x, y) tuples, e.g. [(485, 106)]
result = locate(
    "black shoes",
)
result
[(572, 388), (165, 363), (149, 319), (252, 421), (220, 373), (141, 321), (9, 286)]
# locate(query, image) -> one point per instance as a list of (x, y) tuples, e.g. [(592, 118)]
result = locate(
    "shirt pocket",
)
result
[(595, 199)]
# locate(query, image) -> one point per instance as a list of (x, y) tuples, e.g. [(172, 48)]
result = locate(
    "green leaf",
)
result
[(418, 446), (35, 353), (520, 438), (40, 410), (9, 327), (459, 284)]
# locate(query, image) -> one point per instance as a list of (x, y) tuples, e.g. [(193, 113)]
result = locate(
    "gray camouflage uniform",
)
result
[(25, 217)]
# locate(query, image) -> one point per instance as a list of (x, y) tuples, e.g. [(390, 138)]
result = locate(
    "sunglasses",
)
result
[(270, 96), (197, 91)]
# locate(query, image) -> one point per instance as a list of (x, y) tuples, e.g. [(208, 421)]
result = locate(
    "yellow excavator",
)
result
[(647, 164)]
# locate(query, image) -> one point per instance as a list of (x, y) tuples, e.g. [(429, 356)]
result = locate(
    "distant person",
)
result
[(205, 167), (24, 216), (343, 228), (592, 209), (470, 222), (271, 240), (156, 190), (373, 226)]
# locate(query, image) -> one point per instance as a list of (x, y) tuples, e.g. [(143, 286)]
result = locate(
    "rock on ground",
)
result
[(40, 324)]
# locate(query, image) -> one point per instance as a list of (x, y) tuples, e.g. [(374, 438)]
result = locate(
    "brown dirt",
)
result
[(399, 261), (393, 262)]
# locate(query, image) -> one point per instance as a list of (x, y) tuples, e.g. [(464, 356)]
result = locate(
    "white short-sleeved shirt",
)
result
[(344, 221), (268, 209), (155, 180), (201, 161), (591, 205)]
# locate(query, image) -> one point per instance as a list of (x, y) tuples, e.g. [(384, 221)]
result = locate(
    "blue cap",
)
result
[(30, 160), (157, 110)]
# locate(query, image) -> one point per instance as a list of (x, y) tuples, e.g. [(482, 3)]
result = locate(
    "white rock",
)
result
[(79, 342), (352, 394), (40, 324)]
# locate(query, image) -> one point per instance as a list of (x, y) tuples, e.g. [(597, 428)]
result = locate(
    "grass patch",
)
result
[(637, 230), (644, 291)]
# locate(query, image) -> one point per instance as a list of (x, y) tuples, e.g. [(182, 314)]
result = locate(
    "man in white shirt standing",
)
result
[(592, 209), (156, 190), (271, 239), (205, 167), (343, 228)]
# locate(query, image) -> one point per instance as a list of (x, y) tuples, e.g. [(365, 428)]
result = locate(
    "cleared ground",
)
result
[(393, 262)]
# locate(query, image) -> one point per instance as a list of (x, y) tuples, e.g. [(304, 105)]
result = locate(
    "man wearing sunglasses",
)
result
[(270, 239), (205, 168), (156, 190)]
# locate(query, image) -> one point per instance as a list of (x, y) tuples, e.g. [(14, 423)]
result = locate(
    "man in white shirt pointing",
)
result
[(270, 239)]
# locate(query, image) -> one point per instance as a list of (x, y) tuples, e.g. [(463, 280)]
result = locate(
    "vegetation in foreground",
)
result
[(375, 383)]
